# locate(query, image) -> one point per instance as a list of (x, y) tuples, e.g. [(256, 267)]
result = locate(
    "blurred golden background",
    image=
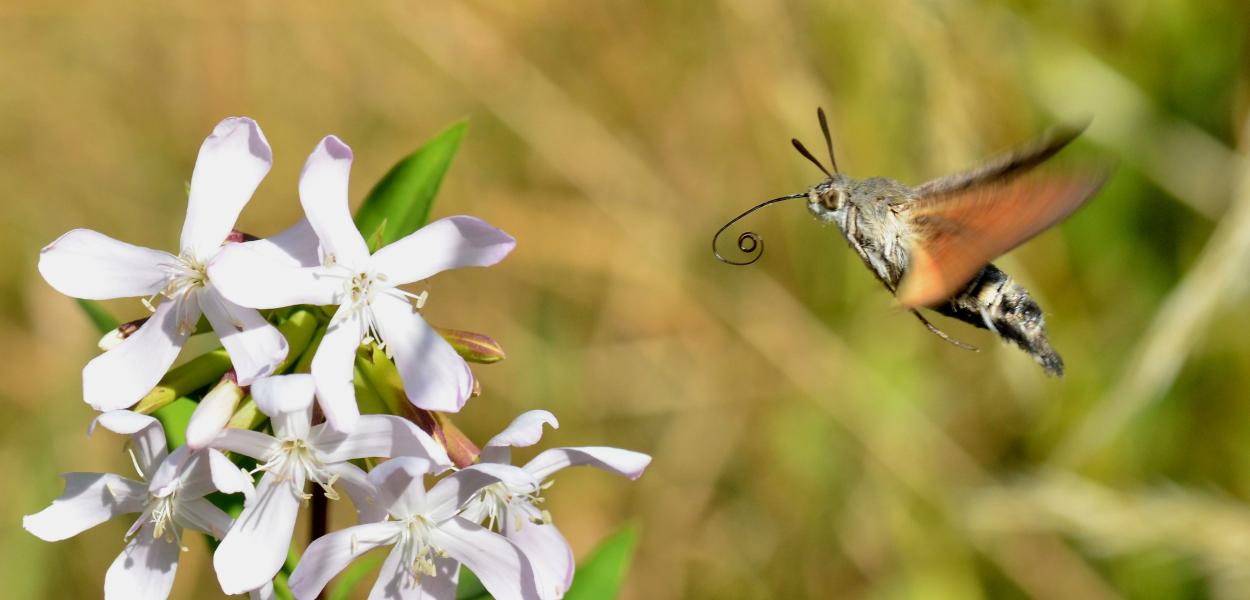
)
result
[(809, 439)]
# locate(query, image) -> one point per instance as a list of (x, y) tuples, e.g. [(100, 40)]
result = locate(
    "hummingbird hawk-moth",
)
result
[(931, 245)]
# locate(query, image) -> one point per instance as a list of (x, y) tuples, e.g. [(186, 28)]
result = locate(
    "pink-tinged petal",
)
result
[(250, 276), (201, 515), (232, 162), (614, 460), (525, 430), (548, 552), (323, 193), (264, 592), (147, 437), (88, 500), (451, 492), (378, 436), (296, 246), (449, 243), (248, 443), (212, 413), (255, 347), (120, 377), (395, 582), (503, 569), (288, 400), (364, 495), (333, 368), (435, 377), (91, 265), (329, 554), (400, 485), (256, 546), (144, 570)]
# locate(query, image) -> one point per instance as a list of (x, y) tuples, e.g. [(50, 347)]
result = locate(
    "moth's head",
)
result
[(828, 197)]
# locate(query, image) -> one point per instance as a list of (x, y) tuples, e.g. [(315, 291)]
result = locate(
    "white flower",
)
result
[(169, 498), (90, 265), (430, 540), (514, 510), (371, 305), (255, 548)]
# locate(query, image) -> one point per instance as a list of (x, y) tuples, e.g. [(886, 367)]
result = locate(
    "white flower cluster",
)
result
[(484, 515)]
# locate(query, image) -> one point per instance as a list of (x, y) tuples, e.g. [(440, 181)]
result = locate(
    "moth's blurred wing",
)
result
[(956, 233)]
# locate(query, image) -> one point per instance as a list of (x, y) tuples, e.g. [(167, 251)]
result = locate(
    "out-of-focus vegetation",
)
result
[(810, 440)]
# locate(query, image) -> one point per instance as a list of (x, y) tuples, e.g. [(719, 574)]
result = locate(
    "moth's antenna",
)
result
[(750, 243), (808, 155), (824, 127)]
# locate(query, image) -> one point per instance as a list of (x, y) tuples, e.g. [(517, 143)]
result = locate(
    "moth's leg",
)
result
[(943, 334)]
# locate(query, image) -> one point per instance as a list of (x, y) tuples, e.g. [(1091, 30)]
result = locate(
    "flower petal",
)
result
[(451, 492), (250, 276), (333, 367), (548, 552), (615, 460), (212, 471), (88, 264), (201, 515), (364, 495), (255, 347), (248, 443), (288, 400), (400, 485), (120, 377), (144, 570), (256, 546), (88, 500), (449, 243), (435, 377), (147, 437), (296, 246), (378, 436), (232, 162), (503, 569), (329, 554), (264, 592), (525, 430), (396, 583), (323, 193)]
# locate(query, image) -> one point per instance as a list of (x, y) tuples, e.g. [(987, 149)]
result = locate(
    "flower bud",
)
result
[(473, 347), (214, 411), (463, 452), (123, 331)]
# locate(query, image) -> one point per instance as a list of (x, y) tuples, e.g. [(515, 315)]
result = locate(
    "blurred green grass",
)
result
[(809, 439)]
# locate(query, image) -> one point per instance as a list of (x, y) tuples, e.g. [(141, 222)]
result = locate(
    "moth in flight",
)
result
[(931, 245)]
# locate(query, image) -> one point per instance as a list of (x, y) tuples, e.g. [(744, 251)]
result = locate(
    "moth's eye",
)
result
[(832, 200)]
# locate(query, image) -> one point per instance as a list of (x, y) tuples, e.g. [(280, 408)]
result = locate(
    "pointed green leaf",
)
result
[(103, 321), (375, 240), (353, 575), (470, 587), (603, 572), (400, 203)]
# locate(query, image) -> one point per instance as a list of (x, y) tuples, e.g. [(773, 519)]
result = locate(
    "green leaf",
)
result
[(103, 321), (400, 203), (376, 241), (470, 587), (174, 418), (353, 575), (603, 572)]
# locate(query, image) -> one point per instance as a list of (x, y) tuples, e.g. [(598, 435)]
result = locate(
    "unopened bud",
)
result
[(214, 411), (473, 347), (123, 331), (237, 237), (460, 449)]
